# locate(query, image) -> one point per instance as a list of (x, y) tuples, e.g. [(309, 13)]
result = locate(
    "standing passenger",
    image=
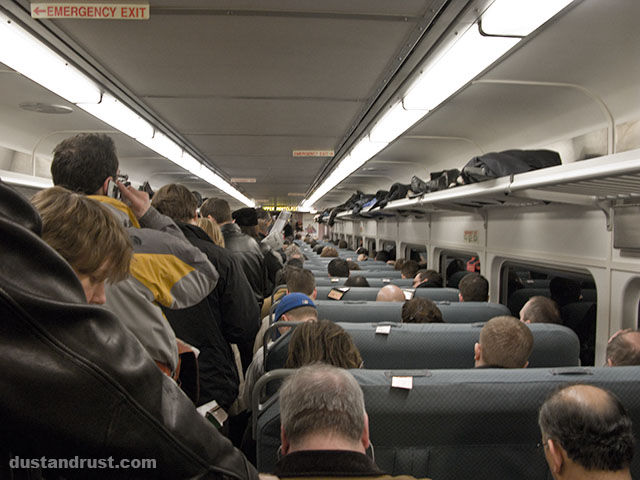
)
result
[(87, 236), (166, 269), (228, 315), (243, 246)]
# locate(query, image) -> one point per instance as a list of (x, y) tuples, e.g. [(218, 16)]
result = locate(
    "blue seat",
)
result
[(439, 345), (376, 312), (365, 273), (373, 282), (370, 293), (461, 424)]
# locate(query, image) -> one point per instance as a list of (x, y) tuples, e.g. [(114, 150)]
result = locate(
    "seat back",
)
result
[(438, 345), (376, 312), (322, 272), (457, 424), (370, 293), (373, 282)]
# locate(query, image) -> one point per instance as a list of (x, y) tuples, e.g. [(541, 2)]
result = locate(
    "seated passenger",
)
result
[(505, 342), (356, 281), (564, 291), (328, 252), (294, 262), (473, 288), (409, 269), (398, 264), (421, 310), (87, 236), (586, 434), (382, 256), (624, 349), (353, 265), (427, 279), (390, 293), (295, 307), (363, 254), (297, 281), (318, 444), (540, 309), (322, 341), (343, 244), (338, 267)]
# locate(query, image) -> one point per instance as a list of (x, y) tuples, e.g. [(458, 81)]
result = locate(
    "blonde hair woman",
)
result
[(212, 229)]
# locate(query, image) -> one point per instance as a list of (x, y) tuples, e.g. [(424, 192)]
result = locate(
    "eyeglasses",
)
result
[(543, 444)]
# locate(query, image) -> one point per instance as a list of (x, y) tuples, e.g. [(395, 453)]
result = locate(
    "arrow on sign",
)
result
[(39, 10)]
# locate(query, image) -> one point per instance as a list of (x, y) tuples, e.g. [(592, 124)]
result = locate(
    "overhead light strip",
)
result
[(33, 59), (465, 59)]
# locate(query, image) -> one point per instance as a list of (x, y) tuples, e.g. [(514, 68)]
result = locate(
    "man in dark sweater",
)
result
[(228, 315)]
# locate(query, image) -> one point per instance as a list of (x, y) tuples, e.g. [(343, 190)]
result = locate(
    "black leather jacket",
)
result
[(76, 382), (251, 259)]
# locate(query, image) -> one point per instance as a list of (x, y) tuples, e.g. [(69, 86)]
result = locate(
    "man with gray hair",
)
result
[(324, 426)]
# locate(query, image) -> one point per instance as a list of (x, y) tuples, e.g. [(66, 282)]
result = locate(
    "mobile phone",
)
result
[(112, 189)]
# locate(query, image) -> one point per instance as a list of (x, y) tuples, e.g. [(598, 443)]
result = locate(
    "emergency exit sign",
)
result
[(91, 11)]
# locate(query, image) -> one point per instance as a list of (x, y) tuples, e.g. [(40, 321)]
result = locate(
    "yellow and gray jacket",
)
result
[(166, 270)]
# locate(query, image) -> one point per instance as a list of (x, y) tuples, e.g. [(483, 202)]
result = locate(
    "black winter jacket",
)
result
[(76, 382), (228, 315), (248, 252)]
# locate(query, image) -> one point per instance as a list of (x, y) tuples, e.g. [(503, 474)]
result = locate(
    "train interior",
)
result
[(299, 105)]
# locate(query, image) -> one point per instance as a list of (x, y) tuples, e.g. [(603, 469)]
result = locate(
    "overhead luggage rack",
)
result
[(601, 182)]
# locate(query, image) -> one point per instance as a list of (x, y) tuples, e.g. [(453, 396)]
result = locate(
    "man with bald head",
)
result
[(540, 309), (390, 293), (586, 434), (624, 349)]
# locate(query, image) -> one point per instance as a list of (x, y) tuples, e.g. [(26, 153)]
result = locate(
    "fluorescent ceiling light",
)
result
[(469, 56), (163, 145), (14, 178), (190, 164), (509, 17), (28, 56), (214, 179), (394, 123), (119, 116)]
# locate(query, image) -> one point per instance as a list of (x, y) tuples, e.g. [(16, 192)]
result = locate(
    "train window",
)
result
[(574, 293), (388, 246), (416, 252), (455, 265)]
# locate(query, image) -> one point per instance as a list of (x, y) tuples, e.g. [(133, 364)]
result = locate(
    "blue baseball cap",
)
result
[(291, 301)]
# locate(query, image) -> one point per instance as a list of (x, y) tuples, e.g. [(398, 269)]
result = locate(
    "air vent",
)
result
[(45, 108), (243, 180)]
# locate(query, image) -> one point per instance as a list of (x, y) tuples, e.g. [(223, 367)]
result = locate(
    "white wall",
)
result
[(555, 236)]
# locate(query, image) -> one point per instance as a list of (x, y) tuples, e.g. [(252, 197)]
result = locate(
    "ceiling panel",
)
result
[(178, 55), (258, 117), (371, 7), (258, 145)]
